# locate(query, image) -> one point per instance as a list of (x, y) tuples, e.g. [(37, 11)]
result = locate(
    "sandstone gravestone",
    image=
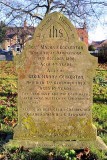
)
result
[(55, 77)]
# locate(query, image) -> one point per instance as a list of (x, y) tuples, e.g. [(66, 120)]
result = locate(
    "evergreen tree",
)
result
[(91, 48), (2, 31)]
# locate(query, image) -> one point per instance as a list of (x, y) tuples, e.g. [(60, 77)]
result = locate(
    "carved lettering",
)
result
[(54, 32)]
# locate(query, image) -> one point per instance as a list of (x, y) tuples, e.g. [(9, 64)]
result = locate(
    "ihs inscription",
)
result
[(55, 32)]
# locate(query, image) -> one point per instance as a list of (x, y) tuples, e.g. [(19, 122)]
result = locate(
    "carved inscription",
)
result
[(54, 32), (55, 84), (59, 82)]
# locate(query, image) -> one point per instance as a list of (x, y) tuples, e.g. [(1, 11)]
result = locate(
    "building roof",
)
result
[(11, 35), (99, 44), (20, 31)]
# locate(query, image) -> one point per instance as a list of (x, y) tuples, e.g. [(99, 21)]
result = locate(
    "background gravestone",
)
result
[(55, 77)]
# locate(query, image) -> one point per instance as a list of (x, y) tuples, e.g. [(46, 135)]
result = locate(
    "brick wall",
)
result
[(83, 35)]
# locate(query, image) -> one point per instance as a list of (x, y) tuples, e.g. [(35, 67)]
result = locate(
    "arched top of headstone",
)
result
[(56, 34), (56, 26)]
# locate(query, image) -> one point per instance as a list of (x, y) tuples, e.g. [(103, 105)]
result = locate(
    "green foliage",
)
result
[(100, 119), (100, 102), (100, 154), (38, 153), (25, 154), (45, 154), (91, 48), (100, 86), (2, 31), (8, 95), (102, 55), (67, 154)]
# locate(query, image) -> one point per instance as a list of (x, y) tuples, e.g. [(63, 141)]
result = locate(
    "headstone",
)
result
[(55, 78)]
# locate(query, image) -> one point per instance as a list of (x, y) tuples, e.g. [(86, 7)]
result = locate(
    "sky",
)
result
[(100, 31), (98, 34)]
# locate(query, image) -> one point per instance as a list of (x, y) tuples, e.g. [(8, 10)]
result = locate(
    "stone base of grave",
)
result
[(98, 143)]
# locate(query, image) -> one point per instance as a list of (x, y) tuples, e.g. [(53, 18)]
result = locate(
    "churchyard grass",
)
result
[(8, 100), (100, 102)]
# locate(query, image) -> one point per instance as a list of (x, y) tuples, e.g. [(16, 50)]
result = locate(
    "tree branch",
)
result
[(24, 11)]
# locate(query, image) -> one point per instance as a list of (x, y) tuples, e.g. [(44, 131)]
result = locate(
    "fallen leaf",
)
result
[(2, 156)]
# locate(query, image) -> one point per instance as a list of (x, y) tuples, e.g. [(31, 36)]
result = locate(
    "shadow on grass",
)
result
[(8, 94), (5, 137), (100, 100)]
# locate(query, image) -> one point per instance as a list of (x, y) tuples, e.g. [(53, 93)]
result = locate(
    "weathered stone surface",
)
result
[(96, 144), (55, 77)]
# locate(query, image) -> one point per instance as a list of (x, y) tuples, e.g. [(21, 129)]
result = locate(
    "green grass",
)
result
[(8, 96), (100, 102), (50, 154), (100, 119), (100, 86)]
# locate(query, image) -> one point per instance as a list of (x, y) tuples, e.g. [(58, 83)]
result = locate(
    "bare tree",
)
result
[(34, 10)]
